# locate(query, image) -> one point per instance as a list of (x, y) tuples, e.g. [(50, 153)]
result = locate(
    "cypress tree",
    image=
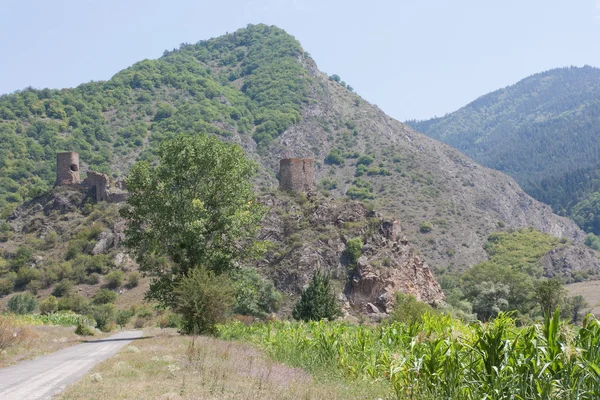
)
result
[(317, 301)]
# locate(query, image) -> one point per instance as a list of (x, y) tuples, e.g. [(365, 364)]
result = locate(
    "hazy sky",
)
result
[(413, 58)]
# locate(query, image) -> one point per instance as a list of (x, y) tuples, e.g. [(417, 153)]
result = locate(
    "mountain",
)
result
[(543, 131), (257, 87)]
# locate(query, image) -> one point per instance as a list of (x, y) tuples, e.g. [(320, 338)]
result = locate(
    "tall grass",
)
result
[(441, 358)]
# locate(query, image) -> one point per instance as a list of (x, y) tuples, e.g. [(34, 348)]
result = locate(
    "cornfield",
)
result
[(441, 358), (60, 318)]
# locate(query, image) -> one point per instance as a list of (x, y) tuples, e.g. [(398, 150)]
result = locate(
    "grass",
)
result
[(590, 290), (169, 366)]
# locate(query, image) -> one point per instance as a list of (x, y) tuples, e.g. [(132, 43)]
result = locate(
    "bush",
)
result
[(12, 333), (425, 227), (75, 303), (104, 314), (49, 306), (123, 317), (317, 301), (104, 296), (24, 303), (133, 279), (335, 157), (408, 309), (354, 250), (63, 288), (6, 286), (115, 279), (85, 326), (203, 299), (254, 295)]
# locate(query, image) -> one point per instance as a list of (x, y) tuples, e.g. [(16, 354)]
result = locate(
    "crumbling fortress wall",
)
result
[(297, 174), (67, 169), (96, 183)]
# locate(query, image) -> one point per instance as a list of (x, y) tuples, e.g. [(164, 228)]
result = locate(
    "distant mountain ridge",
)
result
[(543, 131)]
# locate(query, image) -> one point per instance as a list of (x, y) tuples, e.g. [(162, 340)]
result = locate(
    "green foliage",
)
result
[(254, 295), (6, 286), (441, 358), (115, 279), (85, 327), (49, 305), (24, 303), (103, 314), (74, 302), (196, 208), (63, 288), (592, 241), (335, 157), (104, 296), (123, 317), (409, 310), (328, 184), (317, 301), (586, 213), (549, 293), (133, 279), (365, 160), (187, 90), (425, 227), (203, 300), (354, 250)]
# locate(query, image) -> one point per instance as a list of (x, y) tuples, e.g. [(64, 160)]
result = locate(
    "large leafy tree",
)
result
[(195, 209)]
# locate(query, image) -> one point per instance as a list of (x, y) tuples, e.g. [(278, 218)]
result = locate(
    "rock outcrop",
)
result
[(310, 234)]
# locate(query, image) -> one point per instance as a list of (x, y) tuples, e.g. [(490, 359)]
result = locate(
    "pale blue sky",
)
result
[(413, 58)]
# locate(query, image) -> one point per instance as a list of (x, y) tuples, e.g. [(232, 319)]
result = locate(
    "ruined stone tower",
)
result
[(296, 174), (67, 169)]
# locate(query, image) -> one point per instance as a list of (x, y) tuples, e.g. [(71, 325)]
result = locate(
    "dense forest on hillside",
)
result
[(543, 131), (224, 85)]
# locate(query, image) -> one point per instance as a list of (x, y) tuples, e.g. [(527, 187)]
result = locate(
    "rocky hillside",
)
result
[(542, 131), (259, 88), (64, 236)]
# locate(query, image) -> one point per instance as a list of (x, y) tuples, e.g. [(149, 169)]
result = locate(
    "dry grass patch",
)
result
[(23, 342), (181, 367)]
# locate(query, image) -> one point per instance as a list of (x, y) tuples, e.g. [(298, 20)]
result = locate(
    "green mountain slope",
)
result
[(257, 87), (543, 131)]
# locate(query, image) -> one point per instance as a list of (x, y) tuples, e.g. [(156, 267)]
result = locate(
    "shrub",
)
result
[(356, 193), (144, 312), (317, 301), (365, 160), (354, 250), (6, 286), (103, 314), (408, 309), (49, 305), (133, 279), (123, 317), (254, 295), (104, 296), (203, 300), (85, 326), (24, 303), (335, 157), (63, 288), (75, 303), (115, 279), (425, 227)]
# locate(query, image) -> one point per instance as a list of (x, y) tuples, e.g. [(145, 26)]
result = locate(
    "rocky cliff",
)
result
[(310, 233)]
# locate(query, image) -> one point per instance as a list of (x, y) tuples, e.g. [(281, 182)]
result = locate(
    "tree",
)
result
[(549, 294), (576, 304), (203, 300), (490, 299), (195, 209), (317, 301), (354, 248), (408, 309)]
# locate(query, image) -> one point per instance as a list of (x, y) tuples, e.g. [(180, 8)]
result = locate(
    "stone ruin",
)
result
[(297, 174), (67, 169), (97, 184)]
